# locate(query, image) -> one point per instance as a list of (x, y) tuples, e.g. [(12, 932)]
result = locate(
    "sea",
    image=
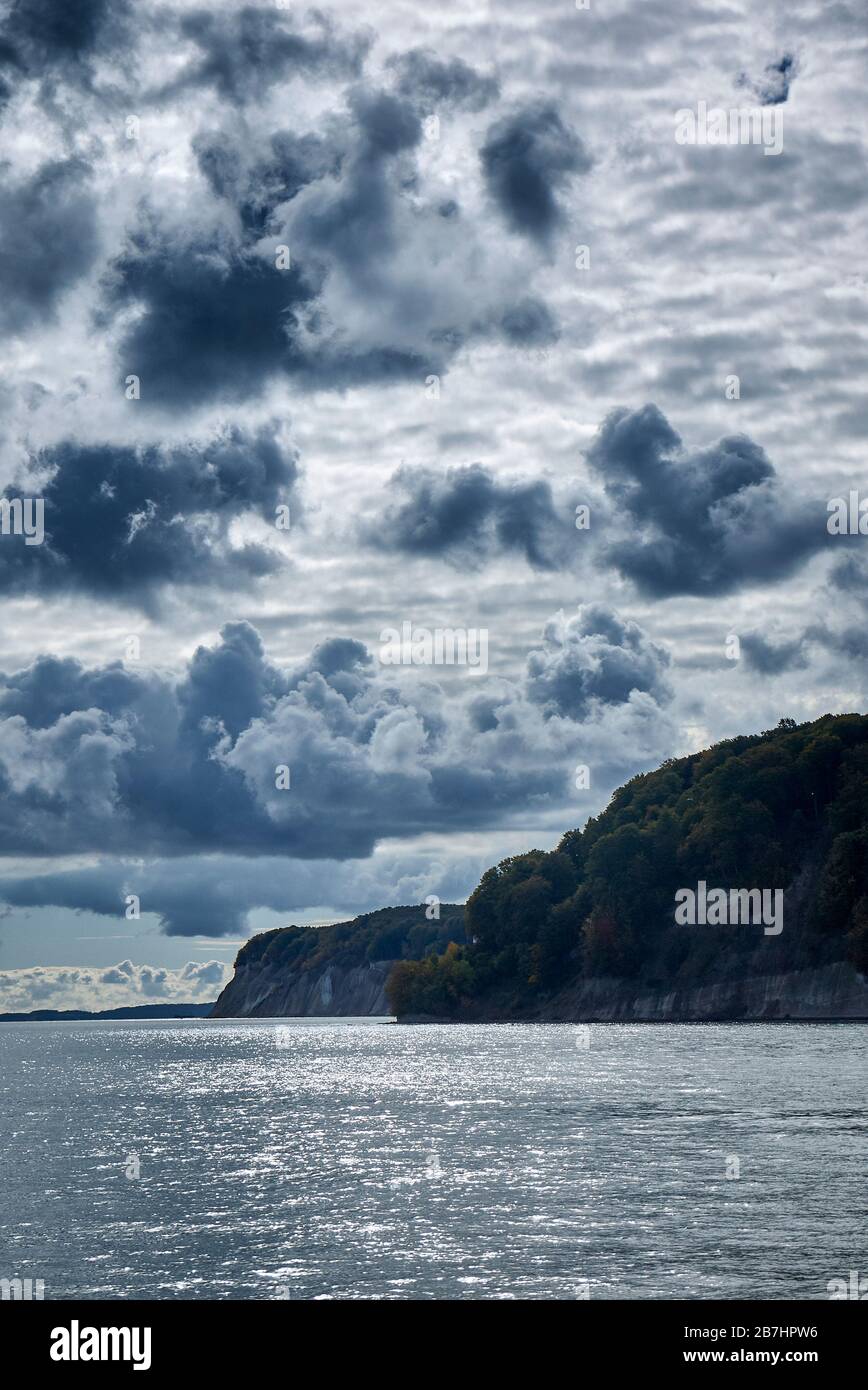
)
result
[(362, 1159)]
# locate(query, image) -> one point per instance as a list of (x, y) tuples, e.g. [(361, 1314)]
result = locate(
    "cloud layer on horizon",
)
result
[(112, 987)]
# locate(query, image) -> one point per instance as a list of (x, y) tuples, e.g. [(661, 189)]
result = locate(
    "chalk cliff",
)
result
[(340, 969), (272, 992)]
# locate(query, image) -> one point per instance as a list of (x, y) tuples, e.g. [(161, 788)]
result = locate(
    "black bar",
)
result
[(277, 1338)]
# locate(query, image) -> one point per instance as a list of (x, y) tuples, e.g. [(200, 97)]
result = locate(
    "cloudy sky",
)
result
[(319, 323)]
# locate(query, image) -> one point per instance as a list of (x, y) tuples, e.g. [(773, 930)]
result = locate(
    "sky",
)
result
[(323, 325)]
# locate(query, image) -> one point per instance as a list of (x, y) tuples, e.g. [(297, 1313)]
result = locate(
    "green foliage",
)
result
[(390, 933), (753, 811), (843, 886), (436, 985)]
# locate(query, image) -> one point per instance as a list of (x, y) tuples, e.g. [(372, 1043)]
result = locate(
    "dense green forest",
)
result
[(784, 809), (390, 933)]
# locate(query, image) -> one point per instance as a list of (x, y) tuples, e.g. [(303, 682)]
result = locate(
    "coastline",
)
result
[(834, 993), (829, 994)]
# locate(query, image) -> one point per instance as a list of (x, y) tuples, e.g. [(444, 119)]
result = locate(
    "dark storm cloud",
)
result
[(8, 63), (53, 32), (222, 323), (53, 687), (91, 890), (58, 40), (218, 320), (48, 240), (772, 658), (527, 158), (378, 253), (433, 81), (387, 123), (849, 643), (840, 634), (594, 656), (121, 522), (773, 87), (141, 765), (705, 522), (467, 514), (230, 685), (256, 187), (841, 630), (209, 896), (244, 52), (212, 895), (352, 224)]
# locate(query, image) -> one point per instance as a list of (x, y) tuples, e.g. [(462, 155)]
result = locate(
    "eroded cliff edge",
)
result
[(332, 990), (339, 969)]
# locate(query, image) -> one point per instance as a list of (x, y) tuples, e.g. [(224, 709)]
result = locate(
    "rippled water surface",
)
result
[(358, 1159)]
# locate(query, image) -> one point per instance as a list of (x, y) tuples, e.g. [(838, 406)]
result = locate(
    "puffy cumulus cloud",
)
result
[(194, 765), (228, 686), (467, 514), (49, 238), (240, 53), (595, 656), (53, 687), (204, 974), (527, 158), (45, 763), (373, 289), (704, 522), (392, 257), (124, 521), (112, 987), (433, 81)]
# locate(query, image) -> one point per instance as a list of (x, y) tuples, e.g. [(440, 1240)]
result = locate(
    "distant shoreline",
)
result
[(130, 1012)]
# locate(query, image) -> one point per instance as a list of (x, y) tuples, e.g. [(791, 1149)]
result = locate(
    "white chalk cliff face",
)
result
[(258, 991)]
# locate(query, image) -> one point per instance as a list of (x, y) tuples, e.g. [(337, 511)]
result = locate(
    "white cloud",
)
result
[(112, 987)]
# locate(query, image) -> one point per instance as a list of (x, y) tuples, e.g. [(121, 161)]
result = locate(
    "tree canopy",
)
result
[(785, 809)]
